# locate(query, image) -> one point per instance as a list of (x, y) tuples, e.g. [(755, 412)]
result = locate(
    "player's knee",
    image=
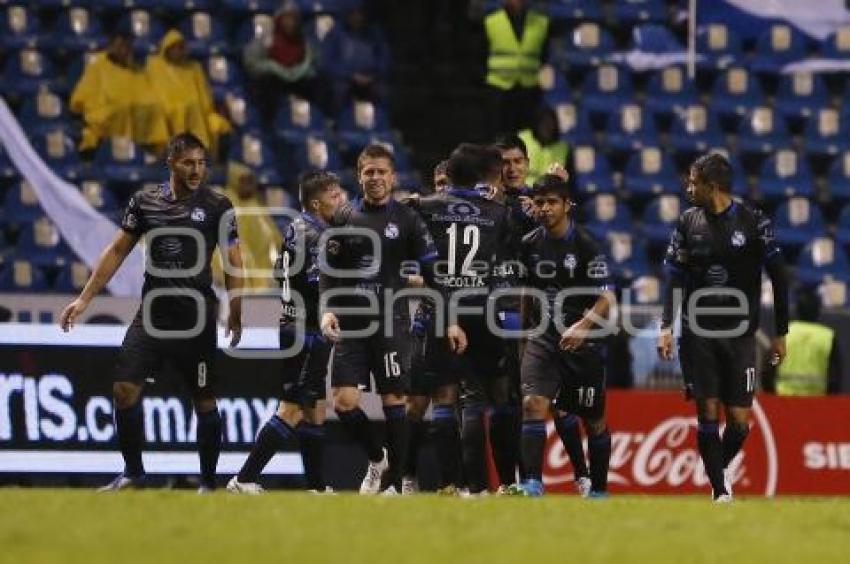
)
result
[(315, 415), (595, 426), (204, 403), (535, 407), (346, 399), (709, 409), (291, 413), (126, 394), (416, 407)]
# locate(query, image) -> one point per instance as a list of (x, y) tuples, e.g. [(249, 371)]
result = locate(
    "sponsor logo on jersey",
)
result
[(738, 239), (463, 209), (198, 215), (391, 231)]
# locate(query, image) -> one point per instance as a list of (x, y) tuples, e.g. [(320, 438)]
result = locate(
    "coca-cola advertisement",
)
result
[(795, 446)]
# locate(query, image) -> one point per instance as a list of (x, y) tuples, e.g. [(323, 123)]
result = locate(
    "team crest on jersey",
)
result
[(738, 239), (463, 209), (198, 215), (130, 222), (333, 247), (391, 231), (570, 262)]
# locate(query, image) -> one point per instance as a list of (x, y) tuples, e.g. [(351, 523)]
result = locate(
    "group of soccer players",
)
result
[(512, 299)]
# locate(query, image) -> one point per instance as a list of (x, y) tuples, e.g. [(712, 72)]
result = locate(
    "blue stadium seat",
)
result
[(833, 294), (242, 113), (630, 128), (718, 47), (694, 130), (606, 87), (358, 122), (627, 257), (838, 178), (837, 45), (7, 170), (554, 86), (797, 221), (59, 153), (629, 11), (256, 26), (593, 172), (120, 160), (204, 34), (145, 29), (19, 28), (785, 174), (100, 198), (41, 243), (73, 74), (761, 132), (827, 133), (588, 45), (801, 94), (21, 275), (26, 72), (604, 213), (776, 47), (254, 151), (574, 10), (71, 278), (650, 171), (224, 75), (316, 153), (656, 39), (297, 118), (842, 227), (314, 7), (118, 5), (319, 28), (646, 290), (185, 5), (821, 259), (44, 112), (20, 205), (250, 6), (573, 124), (736, 92), (659, 217), (669, 90), (77, 29)]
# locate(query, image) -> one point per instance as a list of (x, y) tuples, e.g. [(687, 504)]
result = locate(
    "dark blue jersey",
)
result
[(297, 271)]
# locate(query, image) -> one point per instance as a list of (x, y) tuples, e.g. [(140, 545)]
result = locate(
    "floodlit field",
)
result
[(152, 526)]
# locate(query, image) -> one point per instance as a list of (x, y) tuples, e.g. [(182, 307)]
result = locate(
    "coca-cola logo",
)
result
[(653, 448)]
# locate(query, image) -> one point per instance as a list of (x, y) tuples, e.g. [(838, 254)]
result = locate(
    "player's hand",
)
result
[(330, 327), (777, 350), (71, 312), (574, 336), (415, 281), (665, 344), (457, 339), (234, 327)]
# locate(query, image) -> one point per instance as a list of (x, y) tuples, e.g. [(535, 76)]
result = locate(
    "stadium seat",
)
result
[(694, 130), (243, 114), (655, 39), (59, 153), (224, 75), (761, 132), (19, 28), (837, 45), (630, 11), (718, 47), (185, 5), (627, 255), (604, 213), (254, 151), (574, 10), (119, 5), (21, 275), (659, 217), (593, 173), (316, 153), (120, 160), (100, 198), (317, 7), (833, 294), (801, 95), (554, 86), (297, 118), (827, 133), (776, 47), (26, 72), (736, 92), (77, 30), (669, 90), (204, 34), (44, 112), (573, 124), (66, 84), (646, 290), (797, 221), (71, 278), (606, 87), (250, 6), (145, 29), (630, 128), (7, 170), (785, 174), (256, 26), (842, 227), (41, 243), (20, 205), (358, 123), (649, 172), (838, 178), (821, 259), (587, 45)]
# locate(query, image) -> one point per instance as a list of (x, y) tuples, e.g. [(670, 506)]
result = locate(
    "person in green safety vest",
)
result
[(516, 39), (542, 144), (812, 366)]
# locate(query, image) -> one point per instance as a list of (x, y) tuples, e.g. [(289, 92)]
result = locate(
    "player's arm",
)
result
[(774, 264), (107, 265), (675, 262), (234, 283)]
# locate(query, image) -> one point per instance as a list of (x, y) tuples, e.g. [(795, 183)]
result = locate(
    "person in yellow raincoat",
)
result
[(259, 237), (116, 99), (184, 92)]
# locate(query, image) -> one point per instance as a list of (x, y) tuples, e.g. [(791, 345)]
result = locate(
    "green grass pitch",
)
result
[(61, 525)]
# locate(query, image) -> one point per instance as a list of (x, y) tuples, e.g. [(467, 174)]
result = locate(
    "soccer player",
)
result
[(720, 246), (472, 232), (565, 263), (404, 240), (181, 302), (441, 179), (301, 413)]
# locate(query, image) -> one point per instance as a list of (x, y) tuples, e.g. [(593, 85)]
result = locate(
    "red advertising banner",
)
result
[(795, 446)]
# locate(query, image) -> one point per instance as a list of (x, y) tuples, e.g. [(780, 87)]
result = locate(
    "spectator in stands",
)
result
[(116, 99), (543, 145), (287, 66), (184, 92), (259, 237), (812, 366), (357, 59), (516, 38)]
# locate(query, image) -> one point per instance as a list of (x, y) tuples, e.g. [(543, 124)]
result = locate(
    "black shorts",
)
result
[(480, 365), (433, 365), (304, 374), (574, 380), (386, 357), (143, 356), (722, 369)]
